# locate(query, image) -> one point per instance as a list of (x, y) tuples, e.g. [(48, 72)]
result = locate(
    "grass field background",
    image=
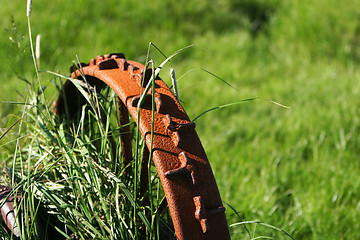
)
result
[(296, 169)]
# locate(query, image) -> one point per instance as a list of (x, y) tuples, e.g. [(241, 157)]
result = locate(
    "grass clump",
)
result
[(70, 171), (74, 169)]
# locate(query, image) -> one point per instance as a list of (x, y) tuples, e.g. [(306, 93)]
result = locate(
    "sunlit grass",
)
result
[(294, 169)]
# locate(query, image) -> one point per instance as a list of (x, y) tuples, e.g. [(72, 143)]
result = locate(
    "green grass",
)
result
[(73, 165), (295, 169)]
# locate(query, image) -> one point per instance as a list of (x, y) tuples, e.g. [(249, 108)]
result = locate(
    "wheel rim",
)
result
[(183, 168)]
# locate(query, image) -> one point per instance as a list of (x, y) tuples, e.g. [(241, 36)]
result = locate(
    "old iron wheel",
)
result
[(183, 168)]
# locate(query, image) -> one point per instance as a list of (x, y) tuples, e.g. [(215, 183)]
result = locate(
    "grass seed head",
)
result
[(28, 9)]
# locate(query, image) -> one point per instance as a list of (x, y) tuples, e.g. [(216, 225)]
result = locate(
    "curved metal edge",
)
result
[(188, 181)]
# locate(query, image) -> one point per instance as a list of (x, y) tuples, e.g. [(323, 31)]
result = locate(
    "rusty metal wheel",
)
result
[(189, 185), (184, 170)]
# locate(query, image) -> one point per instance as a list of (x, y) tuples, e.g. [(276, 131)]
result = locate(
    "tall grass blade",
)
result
[(239, 102), (223, 106), (212, 74), (240, 218), (264, 224), (157, 71)]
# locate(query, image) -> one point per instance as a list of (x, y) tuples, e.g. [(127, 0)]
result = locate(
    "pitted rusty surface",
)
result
[(184, 170)]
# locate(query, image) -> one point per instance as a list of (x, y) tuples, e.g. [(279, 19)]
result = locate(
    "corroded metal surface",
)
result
[(125, 137), (184, 170)]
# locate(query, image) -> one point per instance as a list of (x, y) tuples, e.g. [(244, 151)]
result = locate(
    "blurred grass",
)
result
[(295, 169)]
